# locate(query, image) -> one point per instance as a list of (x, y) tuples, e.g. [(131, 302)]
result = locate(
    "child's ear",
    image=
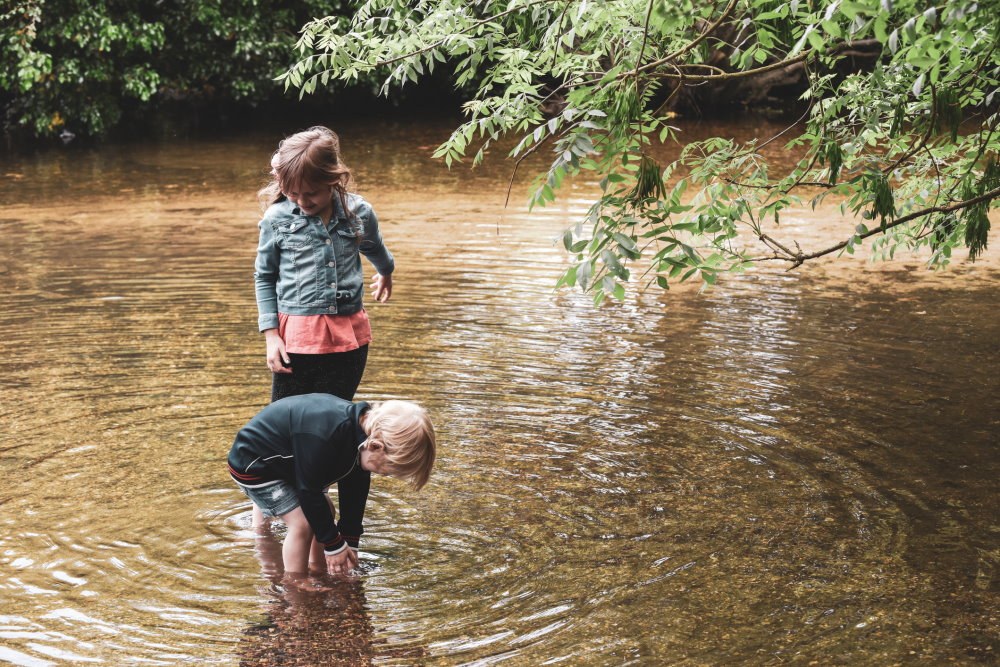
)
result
[(374, 445)]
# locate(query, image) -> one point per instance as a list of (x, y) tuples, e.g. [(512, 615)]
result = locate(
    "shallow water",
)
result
[(788, 468)]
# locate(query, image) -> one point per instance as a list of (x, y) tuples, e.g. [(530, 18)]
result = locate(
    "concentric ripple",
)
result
[(788, 467)]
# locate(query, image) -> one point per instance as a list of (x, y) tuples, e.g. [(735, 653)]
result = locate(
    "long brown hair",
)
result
[(311, 156)]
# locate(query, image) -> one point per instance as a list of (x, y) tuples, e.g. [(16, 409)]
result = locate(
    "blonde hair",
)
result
[(311, 156), (406, 431)]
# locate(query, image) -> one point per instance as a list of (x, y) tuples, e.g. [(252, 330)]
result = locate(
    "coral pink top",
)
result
[(323, 334)]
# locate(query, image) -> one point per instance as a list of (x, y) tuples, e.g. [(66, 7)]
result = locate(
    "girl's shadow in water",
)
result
[(313, 627)]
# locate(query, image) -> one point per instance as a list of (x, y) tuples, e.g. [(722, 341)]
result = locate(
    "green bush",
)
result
[(87, 66)]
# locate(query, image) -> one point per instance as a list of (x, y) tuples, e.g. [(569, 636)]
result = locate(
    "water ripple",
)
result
[(780, 468)]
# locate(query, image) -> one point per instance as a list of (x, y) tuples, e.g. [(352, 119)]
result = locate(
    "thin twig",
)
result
[(555, 48), (672, 95), (937, 172), (799, 258), (642, 49), (756, 149)]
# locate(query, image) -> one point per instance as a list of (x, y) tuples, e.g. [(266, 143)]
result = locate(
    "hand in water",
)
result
[(344, 562)]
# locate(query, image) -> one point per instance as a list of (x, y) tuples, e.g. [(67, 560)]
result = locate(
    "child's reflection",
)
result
[(326, 626)]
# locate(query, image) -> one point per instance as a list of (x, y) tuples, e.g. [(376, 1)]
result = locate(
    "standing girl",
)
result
[(308, 274)]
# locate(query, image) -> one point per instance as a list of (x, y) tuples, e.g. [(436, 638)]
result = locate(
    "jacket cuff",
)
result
[(335, 548), (267, 321), (352, 540)]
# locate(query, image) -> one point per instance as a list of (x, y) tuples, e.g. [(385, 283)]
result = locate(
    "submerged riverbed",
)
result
[(792, 467)]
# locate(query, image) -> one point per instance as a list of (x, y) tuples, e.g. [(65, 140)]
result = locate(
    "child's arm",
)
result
[(311, 479), (265, 277), (343, 562), (352, 496), (340, 557), (372, 246), (319, 514)]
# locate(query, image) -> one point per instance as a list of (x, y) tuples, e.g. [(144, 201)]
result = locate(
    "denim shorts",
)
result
[(274, 499)]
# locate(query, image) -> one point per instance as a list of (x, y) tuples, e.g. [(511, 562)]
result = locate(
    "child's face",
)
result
[(373, 458), (312, 199)]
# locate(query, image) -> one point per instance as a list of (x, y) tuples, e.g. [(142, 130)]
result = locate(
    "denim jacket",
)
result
[(305, 268)]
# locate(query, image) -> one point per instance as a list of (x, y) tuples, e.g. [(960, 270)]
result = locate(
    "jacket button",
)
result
[(331, 264), (328, 241)]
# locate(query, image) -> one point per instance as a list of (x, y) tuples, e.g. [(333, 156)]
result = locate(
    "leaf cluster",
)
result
[(900, 125)]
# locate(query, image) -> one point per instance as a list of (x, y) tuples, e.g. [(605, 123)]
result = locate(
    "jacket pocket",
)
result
[(346, 245), (295, 234)]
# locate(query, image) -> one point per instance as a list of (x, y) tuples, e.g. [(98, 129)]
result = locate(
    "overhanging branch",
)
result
[(799, 258)]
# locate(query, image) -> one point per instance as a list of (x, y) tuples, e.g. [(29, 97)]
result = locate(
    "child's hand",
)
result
[(276, 353), (382, 287), (342, 562)]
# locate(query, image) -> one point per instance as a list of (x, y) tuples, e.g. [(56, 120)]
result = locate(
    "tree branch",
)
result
[(835, 49), (782, 64), (798, 258)]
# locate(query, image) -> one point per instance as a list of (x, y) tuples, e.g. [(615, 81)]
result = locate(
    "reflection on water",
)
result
[(323, 627), (789, 467)]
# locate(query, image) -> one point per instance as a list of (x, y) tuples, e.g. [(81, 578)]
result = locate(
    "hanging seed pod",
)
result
[(947, 112), (976, 217), (883, 204), (897, 121), (832, 154), (648, 182)]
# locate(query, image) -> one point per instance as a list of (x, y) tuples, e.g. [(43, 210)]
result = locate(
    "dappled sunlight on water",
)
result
[(788, 467)]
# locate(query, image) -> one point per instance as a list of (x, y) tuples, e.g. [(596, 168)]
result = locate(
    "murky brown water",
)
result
[(790, 468)]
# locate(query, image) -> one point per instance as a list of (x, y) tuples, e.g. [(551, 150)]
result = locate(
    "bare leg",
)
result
[(268, 551), (261, 524), (298, 543), (317, 557)]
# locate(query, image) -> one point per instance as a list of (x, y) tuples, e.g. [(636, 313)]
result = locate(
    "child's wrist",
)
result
[(336, 548)]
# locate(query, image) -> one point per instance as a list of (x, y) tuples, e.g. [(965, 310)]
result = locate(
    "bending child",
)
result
[(285, 458)]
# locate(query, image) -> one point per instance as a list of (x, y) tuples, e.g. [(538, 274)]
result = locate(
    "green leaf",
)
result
[(583, 274)]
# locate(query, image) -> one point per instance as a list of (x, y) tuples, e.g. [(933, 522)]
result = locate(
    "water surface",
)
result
[(789, 468)]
